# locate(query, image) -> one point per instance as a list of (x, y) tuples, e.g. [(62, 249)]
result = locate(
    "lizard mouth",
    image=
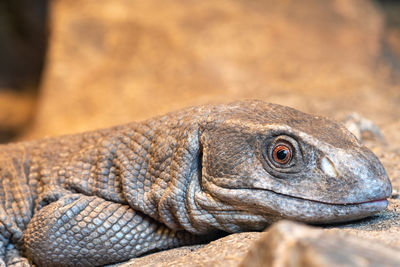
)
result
[(381, 200), (375, 201), (320, 212)]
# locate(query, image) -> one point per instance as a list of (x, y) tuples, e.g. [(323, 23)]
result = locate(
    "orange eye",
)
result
[(282, 153)]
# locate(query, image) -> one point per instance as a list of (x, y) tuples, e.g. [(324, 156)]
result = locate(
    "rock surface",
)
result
[(122, 61), (291, 244), (227, 251)]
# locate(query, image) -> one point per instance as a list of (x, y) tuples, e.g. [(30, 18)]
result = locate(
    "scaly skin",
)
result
[(110, 195)]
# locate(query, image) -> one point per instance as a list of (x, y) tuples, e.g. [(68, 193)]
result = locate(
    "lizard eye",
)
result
[(282, 153)]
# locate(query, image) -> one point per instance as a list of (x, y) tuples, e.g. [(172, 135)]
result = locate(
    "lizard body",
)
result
[(109, 195)]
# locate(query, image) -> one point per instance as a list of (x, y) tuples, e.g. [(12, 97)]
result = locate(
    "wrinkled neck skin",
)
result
[(153, 166), (162, 180)]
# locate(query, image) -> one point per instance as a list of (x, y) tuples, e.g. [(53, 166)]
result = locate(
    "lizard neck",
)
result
[(153, 166), (156, 176)]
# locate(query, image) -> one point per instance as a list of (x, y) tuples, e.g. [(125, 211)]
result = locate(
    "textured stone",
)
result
[(291, 244), (227, 251)]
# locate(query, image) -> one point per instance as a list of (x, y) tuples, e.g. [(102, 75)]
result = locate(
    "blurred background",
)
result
[(69, 66)]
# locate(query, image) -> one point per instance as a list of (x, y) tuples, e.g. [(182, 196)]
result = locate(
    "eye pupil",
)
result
[(281, 154)]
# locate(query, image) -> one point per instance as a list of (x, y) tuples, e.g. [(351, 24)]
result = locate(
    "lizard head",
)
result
[(263, 162)]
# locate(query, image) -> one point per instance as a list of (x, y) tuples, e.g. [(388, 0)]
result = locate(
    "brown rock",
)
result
[(129, 60), (292, 244)]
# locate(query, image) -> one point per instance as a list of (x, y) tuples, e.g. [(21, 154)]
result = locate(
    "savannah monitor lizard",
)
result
[(110, 195)]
